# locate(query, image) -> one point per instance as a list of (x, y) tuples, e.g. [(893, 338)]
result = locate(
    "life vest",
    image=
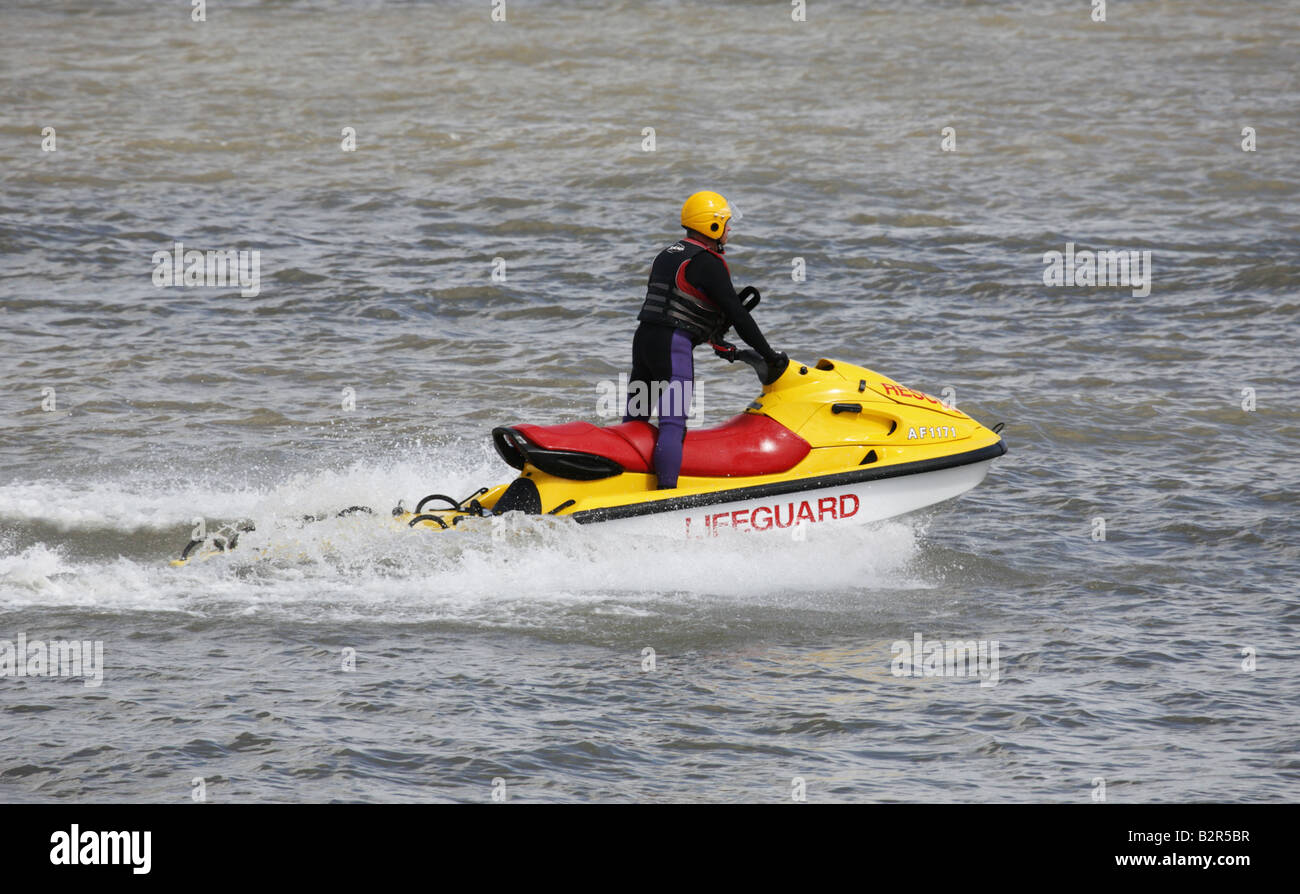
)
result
[(672, 300)]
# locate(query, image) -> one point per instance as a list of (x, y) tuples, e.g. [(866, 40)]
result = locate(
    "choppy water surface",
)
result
[(519, 654)]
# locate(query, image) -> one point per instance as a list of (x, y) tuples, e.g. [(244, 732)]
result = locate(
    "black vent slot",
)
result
[(869, 458), (522, 496)]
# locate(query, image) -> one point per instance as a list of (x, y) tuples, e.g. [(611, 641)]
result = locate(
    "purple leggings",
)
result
[(663, 373)]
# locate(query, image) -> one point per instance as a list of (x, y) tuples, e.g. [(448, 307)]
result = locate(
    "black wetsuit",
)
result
[(689, 300)]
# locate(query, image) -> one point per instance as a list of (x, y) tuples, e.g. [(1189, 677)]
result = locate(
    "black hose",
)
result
[(451, 504)]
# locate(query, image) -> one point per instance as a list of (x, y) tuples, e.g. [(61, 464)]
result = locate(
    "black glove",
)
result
[(776, 366), (725, 350)]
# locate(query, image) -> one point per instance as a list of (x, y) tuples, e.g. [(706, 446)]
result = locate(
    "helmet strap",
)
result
[(705, 237)]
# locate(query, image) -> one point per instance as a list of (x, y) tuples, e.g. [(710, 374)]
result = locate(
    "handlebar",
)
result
[(767, 373)]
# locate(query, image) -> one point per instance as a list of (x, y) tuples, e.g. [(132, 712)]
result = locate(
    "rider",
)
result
[(689, 300)]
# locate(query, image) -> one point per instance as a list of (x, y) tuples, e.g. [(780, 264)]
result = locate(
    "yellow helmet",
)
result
[(706, 212)]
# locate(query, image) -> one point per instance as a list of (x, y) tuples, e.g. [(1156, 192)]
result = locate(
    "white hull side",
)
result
[(851, 504)]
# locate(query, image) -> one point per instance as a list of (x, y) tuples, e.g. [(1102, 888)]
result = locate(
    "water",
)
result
[(518, 654)]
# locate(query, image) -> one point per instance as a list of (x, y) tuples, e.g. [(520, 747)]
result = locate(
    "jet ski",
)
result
[(827, 444)]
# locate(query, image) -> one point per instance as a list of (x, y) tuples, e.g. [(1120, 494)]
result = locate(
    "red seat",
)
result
[(747, 444)]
